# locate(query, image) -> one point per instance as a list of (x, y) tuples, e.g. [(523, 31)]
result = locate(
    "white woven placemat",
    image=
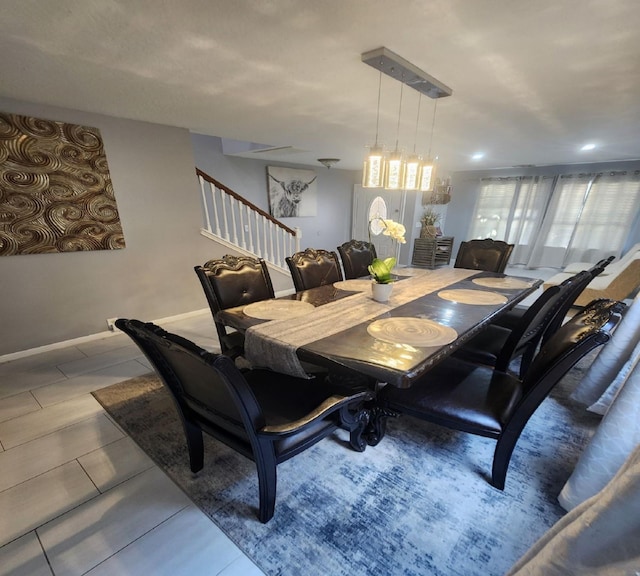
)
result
[(479, 297), (420, 332), (507, 283), (278, 309), (354, 285)]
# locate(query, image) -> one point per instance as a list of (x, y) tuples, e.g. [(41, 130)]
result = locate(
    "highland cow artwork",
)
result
[(292, 193)]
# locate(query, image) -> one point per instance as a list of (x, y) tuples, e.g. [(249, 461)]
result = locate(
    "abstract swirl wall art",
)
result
[(55, 189)]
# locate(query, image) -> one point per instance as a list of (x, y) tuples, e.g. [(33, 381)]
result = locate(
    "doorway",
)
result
[(370, 203)]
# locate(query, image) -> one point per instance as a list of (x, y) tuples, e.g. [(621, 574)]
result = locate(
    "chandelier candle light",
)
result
[(373, 173), (412, 173), (395, 164)]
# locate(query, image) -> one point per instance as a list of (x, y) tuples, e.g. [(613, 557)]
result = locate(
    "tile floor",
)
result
[(77, 496)]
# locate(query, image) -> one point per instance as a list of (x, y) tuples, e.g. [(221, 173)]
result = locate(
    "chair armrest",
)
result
[(330, 405)]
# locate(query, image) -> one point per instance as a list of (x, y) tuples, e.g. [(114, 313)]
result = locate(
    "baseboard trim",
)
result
[(83, 339)]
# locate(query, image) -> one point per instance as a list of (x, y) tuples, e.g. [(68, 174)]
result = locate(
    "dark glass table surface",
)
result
[(354, 350)]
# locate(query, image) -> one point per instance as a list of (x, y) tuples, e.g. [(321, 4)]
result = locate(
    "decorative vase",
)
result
[(381, 292), (428, 231)]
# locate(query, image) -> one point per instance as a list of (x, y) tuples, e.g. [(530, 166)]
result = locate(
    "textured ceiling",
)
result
[(532, 81)]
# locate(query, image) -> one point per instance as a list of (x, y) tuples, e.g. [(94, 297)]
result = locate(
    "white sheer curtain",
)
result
[(607, 216), (530, 207), (493, 208), (553, 221), (589, 218)]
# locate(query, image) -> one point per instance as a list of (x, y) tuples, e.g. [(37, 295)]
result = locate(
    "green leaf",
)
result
[(381, 270)]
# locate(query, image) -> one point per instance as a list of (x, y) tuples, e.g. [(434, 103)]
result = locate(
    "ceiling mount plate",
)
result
[(391, 64)]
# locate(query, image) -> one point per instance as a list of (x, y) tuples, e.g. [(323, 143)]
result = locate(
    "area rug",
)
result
[(418, 503)]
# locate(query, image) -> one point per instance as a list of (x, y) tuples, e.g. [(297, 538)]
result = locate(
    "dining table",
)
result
[(341, 328)]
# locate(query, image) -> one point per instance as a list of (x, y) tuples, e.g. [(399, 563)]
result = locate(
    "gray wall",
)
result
[(48, 298), (248, 177), (466, 186)]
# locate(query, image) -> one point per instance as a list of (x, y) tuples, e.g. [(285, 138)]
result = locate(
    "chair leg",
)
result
[(501, 458), (267, 481), (195, 445)]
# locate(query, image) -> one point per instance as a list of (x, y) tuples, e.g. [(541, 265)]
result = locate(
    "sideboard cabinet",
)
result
[(432, 252)]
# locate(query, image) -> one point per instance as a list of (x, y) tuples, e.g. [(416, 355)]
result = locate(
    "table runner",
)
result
[(275, 342)]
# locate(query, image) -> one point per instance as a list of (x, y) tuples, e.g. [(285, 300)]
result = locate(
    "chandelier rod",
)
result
[(433, 123)]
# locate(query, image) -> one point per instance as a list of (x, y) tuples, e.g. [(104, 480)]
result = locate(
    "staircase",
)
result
[(237, 223)]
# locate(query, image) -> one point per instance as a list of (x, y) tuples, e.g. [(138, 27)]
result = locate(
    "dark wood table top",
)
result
[(354, 349)]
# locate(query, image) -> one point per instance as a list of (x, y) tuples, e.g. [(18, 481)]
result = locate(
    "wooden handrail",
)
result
[(242, 200)]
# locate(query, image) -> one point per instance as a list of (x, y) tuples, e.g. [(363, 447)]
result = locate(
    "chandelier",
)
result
[(394, 171)]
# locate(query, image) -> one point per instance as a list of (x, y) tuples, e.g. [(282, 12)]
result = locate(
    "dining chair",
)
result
[(488, 255), (265, 416), (312, 268), (356, 255), (499, 347), (231, 281), (511, 318), (487, 402)]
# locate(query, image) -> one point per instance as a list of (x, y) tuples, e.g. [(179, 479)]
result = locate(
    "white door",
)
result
[(371, 203)]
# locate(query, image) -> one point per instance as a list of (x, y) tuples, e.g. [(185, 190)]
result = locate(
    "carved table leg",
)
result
[(377, 424), (357, 428)]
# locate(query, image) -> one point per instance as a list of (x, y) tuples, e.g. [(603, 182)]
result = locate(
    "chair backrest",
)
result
[(488, 255), (233, 281), (207, 388), (525, 337), (578, 283), (356, 256), (588, 329), (312, 268)]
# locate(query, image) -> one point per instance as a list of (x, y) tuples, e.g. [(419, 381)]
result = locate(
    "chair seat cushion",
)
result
[(485, 347), (286, 399), (511, 318), (234, 340), (460, 395)]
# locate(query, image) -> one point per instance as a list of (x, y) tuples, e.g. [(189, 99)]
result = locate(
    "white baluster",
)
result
[(273, 254), (223, 196), (278, 235), (250, 230), (264, 231), (216, 218), (204, 204), (232, 205), (242, 230)]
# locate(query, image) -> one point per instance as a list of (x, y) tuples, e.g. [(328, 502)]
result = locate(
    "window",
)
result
[(555, 220), (493, 209)]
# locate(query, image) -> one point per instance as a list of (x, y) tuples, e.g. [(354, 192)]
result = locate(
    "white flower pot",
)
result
[(381, 292)]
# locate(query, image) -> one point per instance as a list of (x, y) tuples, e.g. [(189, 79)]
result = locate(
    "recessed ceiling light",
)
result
[(477, 156), (588, 147)]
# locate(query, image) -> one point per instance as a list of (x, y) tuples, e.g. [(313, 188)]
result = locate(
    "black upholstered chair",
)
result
[(266, 416), (499, 347), (486, 402), (232, 281), (356, 256), (488, 255), (312, 268), (511, 318)]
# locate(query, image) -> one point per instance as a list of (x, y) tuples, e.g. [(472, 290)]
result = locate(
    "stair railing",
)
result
[(234, 220)]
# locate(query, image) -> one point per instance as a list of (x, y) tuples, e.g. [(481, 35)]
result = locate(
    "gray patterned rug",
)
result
[(418, 503)]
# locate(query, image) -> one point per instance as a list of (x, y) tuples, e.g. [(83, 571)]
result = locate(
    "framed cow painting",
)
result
[(292, 193)]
